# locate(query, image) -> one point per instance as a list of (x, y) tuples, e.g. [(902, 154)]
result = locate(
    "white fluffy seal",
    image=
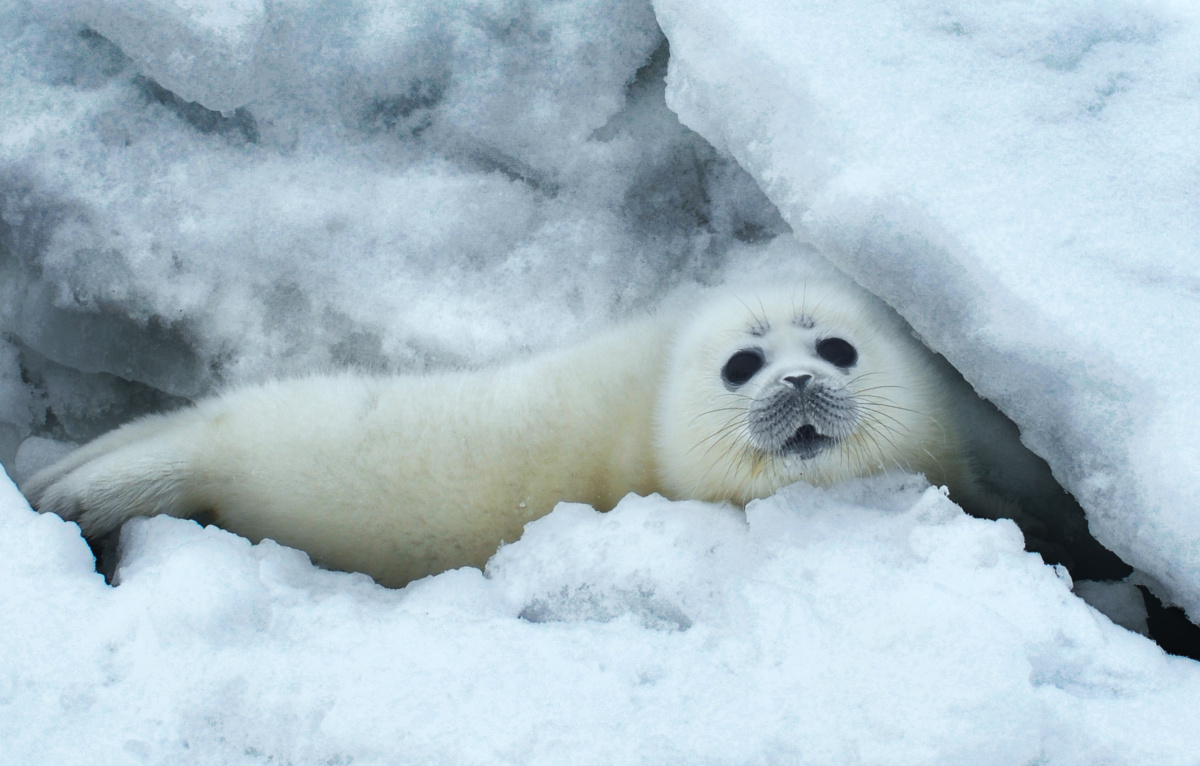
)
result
[(405, 476)]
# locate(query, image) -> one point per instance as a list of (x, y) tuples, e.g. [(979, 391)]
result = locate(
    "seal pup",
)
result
[(405, 476), (820, 384)]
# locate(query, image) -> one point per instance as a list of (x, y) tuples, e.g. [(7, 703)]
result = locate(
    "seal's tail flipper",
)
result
[(141, 469)]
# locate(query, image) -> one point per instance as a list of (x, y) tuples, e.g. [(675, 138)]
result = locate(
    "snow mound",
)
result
[(875, 623)]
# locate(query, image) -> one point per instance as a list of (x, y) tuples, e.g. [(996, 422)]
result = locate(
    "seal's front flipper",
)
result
[(143, 469)]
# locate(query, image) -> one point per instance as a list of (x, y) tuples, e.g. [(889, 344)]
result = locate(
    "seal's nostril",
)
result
[(799, 381)]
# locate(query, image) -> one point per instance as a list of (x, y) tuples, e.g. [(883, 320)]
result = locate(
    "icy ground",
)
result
[(197, 194)]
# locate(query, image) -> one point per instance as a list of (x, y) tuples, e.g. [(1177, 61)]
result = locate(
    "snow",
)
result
[(1019, 181), (194, 195), (873, 623), (379, 203)]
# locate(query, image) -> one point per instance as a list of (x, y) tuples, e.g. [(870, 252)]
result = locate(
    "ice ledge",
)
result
[(1016, 190)]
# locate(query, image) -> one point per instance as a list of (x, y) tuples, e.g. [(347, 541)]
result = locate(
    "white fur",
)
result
[(702, 432), (401, 477)]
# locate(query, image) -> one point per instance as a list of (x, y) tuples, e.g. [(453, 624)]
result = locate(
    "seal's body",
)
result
[(405, 476)]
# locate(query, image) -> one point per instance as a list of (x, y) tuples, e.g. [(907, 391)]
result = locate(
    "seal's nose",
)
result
[(799, 381)]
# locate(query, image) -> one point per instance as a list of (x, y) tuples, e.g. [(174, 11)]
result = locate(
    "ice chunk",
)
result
[(1021, 188)]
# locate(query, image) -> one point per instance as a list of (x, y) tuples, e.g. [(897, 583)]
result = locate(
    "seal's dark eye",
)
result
[(837, 352), (742, 366)]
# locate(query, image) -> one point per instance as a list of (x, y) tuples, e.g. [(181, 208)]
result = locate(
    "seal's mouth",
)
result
[(806, 443)]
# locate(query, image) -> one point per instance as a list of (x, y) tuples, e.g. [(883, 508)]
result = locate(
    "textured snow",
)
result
[(875, 623), (1019, 181), (405, 188)]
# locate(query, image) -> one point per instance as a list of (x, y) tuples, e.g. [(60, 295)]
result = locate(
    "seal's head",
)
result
[(815, 383)]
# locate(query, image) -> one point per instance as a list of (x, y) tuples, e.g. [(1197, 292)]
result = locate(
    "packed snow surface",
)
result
[(201, 194), (1020, 180)]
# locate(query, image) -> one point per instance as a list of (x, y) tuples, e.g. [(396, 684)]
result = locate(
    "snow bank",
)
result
[(1018, 180), (198, 194), (871, 624)]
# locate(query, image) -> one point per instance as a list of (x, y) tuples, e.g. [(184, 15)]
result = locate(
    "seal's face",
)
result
[(795, 383), (817, 383)]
